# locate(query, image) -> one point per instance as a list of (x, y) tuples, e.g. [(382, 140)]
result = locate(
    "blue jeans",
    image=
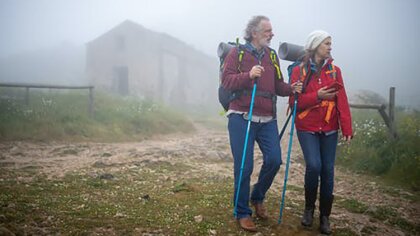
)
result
[(266, 135), (319, 153)]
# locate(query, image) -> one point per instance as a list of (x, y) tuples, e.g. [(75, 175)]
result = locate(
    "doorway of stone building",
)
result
[(121, 85)]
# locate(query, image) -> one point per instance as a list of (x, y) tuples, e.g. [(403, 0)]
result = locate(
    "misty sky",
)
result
[(375, 42)]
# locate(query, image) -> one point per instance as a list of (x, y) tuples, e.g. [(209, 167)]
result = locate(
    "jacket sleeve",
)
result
[(306, 99), (343, 108), (282, 88), (232, 79)]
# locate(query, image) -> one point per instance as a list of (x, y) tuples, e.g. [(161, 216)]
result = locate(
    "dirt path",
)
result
[(363, 205)]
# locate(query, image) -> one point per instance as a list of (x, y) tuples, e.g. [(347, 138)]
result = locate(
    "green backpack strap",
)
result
[(273, 57), (240, 54)]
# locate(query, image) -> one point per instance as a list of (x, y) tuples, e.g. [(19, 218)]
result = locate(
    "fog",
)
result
[(375, 42)]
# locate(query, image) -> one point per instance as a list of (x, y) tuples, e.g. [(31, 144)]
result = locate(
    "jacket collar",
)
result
[(258, 54), (326, 63)]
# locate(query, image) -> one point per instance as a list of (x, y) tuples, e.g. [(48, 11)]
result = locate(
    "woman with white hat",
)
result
[(322, 109)]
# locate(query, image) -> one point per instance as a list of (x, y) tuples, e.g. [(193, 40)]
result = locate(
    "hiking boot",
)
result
[(247, 224), (325, 205), (308, 213), (307, 217), (260, 211), (324, 225)]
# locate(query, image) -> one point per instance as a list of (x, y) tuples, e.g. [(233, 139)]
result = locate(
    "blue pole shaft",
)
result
[(254, 89), (289, 151)]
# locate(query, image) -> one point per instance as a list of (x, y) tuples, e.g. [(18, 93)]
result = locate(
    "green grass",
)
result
[(384, 214), (352, 205), (64, 116), (390, 216), (344, 232), (135, 201), (157, 197), (373, 152)]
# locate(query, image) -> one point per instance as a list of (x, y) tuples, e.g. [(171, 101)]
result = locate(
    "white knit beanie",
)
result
[(315, 39)]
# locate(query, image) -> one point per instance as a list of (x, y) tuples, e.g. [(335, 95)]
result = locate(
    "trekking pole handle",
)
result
[(257, 78)]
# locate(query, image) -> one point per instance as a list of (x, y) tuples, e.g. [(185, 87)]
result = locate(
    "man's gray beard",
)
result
[(264, 43)]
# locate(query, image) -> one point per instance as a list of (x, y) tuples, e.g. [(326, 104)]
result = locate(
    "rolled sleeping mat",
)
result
[(224, 48), (290, 52)]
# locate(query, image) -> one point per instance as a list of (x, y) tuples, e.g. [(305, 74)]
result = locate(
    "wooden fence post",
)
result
[(91, 111), (392, 126)]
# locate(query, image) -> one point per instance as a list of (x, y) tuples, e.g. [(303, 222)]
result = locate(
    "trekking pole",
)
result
[(288, 158), (285, 47), (251, 106)]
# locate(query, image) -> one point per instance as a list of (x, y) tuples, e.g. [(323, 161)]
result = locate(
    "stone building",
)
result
[(132, 60)]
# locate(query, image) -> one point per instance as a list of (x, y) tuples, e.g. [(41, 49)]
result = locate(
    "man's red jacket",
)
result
[(232, 79)]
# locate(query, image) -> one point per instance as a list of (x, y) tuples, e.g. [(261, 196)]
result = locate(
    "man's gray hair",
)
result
[(253, 26)]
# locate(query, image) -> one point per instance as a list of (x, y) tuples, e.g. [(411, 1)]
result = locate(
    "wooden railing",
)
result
[(27, 86), (389, 117)]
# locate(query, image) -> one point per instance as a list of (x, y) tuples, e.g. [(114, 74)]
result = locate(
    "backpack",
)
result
[(226, 96)]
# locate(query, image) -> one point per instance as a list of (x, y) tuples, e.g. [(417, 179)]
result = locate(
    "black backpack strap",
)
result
[(264, 94), (258, 93)]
